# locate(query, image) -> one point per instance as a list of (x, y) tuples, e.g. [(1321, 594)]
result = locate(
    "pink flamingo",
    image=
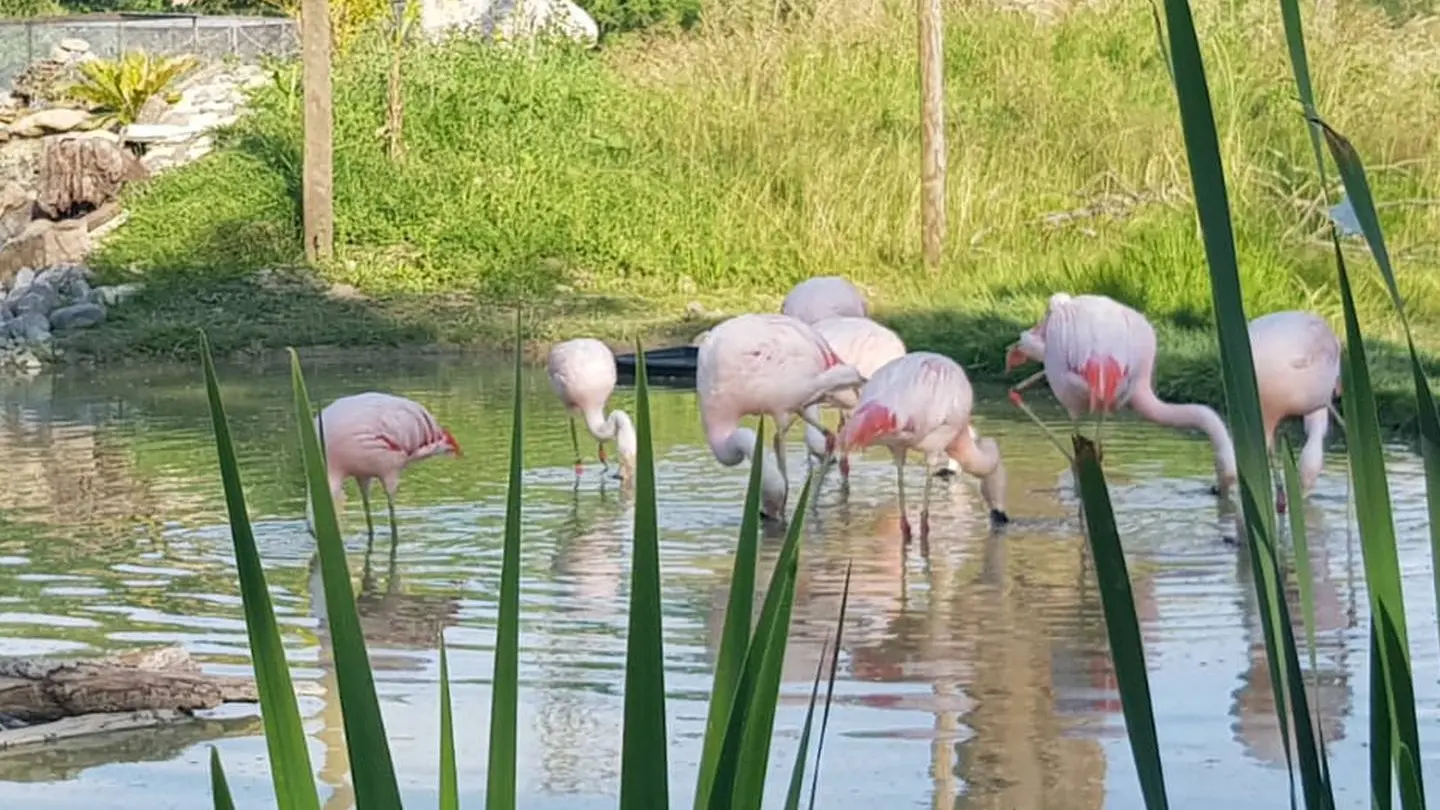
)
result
[(1099, 355), (374, 435), (582, 372), (867, 346), (821, 297), (1297, 372), (923, 402), (757, 365)]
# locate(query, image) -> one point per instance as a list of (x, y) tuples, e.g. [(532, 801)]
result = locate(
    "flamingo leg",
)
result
[(604, 463), (575, 442), (394, 529), (844, 457), (365, 501), (777, 445), (905, 532), (925, 516), (1020, 403)]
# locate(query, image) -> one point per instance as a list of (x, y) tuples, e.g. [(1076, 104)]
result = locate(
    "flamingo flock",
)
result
[(823, 350)]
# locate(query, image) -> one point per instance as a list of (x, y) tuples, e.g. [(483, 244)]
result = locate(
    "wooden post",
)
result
[(932, 131), (317, 193)]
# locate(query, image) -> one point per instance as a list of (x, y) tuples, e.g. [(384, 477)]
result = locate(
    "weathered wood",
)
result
[(41, 690), (932, 131), (317, 189)]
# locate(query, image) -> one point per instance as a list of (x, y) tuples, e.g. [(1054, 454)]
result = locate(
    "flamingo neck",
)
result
[(601, 427), (1191, 416)]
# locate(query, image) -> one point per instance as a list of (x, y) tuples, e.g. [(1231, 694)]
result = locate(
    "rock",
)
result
[(25, 249), (82, 172), (30, 327), (37, 298), (73, 45), (113, 295), (44, 122), (66, 243), (77, 316), (17, 206), (510, 21), (23, 279)]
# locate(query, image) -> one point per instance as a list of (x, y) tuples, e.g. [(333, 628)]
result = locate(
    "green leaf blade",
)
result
[(1121, 623), (735, 636), (219, 788), (375, 785), (500, 791), (449, 775), (285, 739), (644, 778)]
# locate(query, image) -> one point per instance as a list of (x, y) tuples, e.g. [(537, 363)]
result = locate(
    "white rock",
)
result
[(74, 45), (112, 295), (43, 122), (508, 19), (23, 279), (158, 133)]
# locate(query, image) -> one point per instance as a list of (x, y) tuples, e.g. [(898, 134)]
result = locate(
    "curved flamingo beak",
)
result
[(452, 444), (1015, 358)]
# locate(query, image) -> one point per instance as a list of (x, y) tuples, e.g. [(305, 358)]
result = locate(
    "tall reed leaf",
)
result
[(735, 636), (1357, 188), (284, 733), (1377, 545), (1121, 624), (449, 778), (365, 740), (500, 791), (797, 774), (219, 788), (644, 779), (740, 775), (1242, 399), (830, 688)]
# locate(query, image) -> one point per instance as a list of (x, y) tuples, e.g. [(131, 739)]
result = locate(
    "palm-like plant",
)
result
[(120, 87)]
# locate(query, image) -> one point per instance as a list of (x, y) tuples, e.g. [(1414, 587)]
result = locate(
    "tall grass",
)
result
[(747, 684), (1394, 738)]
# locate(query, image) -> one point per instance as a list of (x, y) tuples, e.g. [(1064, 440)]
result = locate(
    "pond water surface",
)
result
[(978, 679)]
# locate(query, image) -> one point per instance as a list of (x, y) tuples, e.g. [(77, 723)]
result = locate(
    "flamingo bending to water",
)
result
[(582, 372), (923, 402), (1099, 355), (757, 365), (376, 436), (815, 299), (1297, 372)]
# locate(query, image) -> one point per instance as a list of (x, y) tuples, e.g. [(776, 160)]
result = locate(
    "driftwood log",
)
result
[(161, 681)]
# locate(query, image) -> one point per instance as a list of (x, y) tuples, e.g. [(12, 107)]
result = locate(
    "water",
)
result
[(978, 680)]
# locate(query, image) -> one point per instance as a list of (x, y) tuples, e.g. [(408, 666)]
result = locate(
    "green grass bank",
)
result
[(643, 190)]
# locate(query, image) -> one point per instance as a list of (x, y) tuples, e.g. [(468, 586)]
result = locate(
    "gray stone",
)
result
[(73, 45), (23, 279), (30, 327), (38, 298), (27, 361), (77, 316)]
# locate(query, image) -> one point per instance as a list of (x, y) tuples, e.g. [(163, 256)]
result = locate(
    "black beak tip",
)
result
[(998, 518)]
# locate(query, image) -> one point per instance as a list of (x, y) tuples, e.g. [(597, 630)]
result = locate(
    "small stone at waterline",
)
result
[(30, 327), (77, 316)]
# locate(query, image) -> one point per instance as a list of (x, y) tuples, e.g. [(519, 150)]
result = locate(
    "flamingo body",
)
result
[(375, 436), (582, 373), (1297, 372), (756, 365), (1099, 356), (922, 401), (815, 299)]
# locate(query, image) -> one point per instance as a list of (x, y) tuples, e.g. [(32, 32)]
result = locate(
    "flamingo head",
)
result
[(448, 445), (626, 442), (1030, 346)]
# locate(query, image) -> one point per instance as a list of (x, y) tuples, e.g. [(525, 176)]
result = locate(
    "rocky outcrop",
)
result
[(508, 20), (37, 306), (181, 132)]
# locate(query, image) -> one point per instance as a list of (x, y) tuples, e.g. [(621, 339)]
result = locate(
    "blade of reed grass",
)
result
[(735, 636), (1381, 731), (740, 773), (644, 775), (1121, 623), (1300, 540), (830, 689), (1304, 573), (500, 792), (449, 776), (365, 740), (797, 772), (284, 734), (219, 788), (1357, 188), (1238, 370), (1377, 544)]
